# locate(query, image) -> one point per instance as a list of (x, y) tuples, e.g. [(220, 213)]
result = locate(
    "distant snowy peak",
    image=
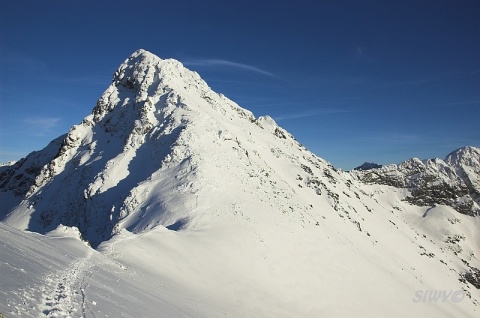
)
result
[(466, 162), (7, 164), (454, 181), (469, 156)]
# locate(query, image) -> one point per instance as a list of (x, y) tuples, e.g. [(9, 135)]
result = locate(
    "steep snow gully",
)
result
[(171, 200)]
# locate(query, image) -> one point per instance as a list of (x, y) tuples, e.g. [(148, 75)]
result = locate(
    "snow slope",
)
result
[(195, 207)]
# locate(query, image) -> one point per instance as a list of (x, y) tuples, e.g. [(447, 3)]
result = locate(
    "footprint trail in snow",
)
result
[(64, 292)]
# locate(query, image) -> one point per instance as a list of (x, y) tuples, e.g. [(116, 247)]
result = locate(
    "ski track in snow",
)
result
[(64, 292)]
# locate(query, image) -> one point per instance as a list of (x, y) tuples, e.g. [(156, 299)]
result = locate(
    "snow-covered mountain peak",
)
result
[(184, 188), (466, 162), (466, 155), (157, 121), (147, 82), (142, 69)]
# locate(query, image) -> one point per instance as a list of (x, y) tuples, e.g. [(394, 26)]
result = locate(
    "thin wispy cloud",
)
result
[(312, 113), (40, 126), (21, 62), (224, 63)]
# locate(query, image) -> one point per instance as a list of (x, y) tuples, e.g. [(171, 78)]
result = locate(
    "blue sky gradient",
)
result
[(354, 81)]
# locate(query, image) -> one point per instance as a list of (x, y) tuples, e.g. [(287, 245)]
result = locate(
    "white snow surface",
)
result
[(195, 208)]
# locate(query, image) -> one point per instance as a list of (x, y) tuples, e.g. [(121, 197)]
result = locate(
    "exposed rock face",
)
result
[(26, 174)]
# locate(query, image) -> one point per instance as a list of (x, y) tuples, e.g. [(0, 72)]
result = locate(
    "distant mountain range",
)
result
[(166, 162), (454, 181)]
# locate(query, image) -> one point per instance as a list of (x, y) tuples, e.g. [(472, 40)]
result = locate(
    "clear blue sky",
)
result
[(354, 81)]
